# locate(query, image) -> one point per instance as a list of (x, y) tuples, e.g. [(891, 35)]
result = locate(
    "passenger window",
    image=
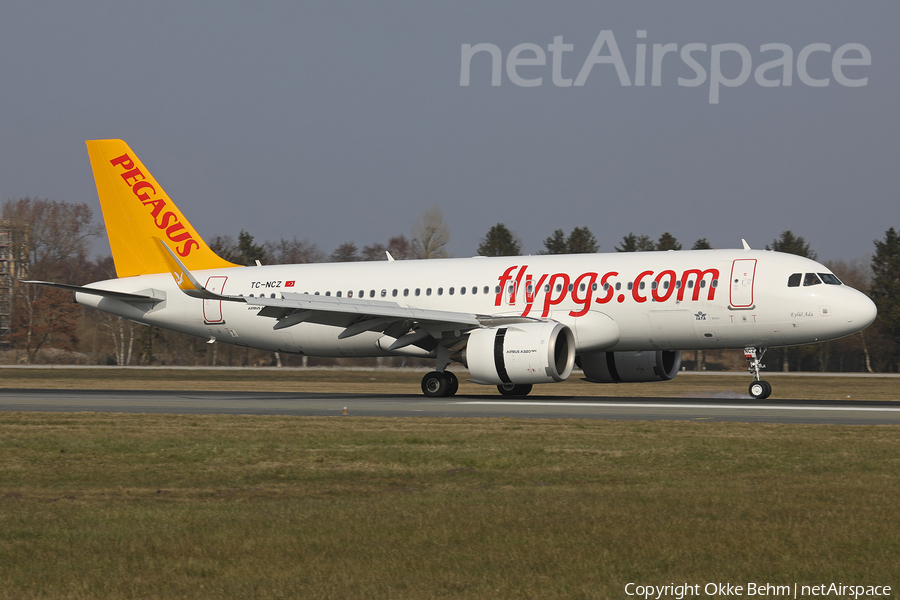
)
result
[(327, 293), (830, 279), (462, 291), (418, 291), (339, 294), (486, 288), (371, 293), (428, 291), (811, 279), (406, 292), (394, 293), (794, 280), (475, 290), (451, 290), (440, 291)]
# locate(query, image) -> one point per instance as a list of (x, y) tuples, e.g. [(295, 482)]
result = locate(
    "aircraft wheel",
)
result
[(512, 389), (435, 385), (760, 389), (452, 383)]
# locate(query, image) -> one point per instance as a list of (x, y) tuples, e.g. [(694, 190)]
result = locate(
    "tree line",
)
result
[(46, 326)]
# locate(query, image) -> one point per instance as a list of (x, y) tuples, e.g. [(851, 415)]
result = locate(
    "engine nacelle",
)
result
[(617, 367), (520, 354)]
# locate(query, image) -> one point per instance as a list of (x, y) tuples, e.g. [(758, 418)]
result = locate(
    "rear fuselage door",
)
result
[(212, 309)]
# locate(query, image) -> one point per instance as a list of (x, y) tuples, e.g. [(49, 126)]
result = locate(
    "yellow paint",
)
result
[(136, 209)]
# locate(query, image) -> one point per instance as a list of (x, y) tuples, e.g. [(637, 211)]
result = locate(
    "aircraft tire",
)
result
[(435, 385), (760, 389), (452, 383), (513, 389)]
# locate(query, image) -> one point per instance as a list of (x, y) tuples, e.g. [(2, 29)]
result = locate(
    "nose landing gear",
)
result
[(759, 389)]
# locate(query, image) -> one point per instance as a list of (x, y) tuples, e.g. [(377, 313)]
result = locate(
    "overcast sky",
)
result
[(345, 121)]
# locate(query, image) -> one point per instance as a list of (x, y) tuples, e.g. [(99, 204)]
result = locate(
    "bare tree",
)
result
[(294, 251), (57, 246), (430, 235)]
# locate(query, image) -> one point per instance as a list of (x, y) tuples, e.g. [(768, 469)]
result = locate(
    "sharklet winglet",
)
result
[(186, 281)]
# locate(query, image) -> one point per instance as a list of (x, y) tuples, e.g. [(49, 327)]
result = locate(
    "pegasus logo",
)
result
[(179, 277), (146, 193)]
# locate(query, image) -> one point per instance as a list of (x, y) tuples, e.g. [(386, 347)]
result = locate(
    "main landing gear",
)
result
[(759, 389), (438, 384)]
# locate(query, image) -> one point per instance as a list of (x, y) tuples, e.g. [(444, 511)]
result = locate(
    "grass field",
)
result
[(166, 506)]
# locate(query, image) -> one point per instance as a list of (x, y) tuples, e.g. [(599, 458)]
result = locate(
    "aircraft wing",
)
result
[(408, 324), (359, 315)]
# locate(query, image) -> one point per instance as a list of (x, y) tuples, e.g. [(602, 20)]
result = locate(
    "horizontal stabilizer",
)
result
[(152, 297)]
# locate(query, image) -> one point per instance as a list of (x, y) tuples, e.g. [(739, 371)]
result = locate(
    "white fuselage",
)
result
[(656, 300)]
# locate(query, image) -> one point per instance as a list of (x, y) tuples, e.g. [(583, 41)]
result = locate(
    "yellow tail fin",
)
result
[(137, 210)]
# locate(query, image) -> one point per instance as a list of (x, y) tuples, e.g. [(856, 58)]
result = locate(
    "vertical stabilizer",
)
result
[(136, 210)]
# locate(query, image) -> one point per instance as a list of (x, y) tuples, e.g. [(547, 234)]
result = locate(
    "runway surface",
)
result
[(544, 407)]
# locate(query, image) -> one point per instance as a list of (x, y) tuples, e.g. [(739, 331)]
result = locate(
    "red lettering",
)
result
[(531, 292), (186, 249), (157, 206), (134, 174), (585, 301), (548, 297), (637, 286), (515, 290), (170, 233), (503, 279), (167, 218), (143, 196), (685, 279), (609, 288), (667, 289), (124, 160)]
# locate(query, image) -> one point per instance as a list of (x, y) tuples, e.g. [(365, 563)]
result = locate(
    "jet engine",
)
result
[(523, 353), (617, 367)]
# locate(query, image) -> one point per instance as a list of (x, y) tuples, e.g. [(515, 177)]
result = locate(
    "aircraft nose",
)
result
[(861, 311)]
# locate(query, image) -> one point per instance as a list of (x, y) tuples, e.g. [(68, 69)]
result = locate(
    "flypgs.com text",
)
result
[(552, 289), (527, 64)]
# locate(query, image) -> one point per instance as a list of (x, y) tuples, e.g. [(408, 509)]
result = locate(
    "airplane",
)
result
[(511, 321)]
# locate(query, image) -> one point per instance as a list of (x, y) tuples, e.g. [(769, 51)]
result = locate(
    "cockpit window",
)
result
[(811, 279), (830, 279), (794, 280)]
